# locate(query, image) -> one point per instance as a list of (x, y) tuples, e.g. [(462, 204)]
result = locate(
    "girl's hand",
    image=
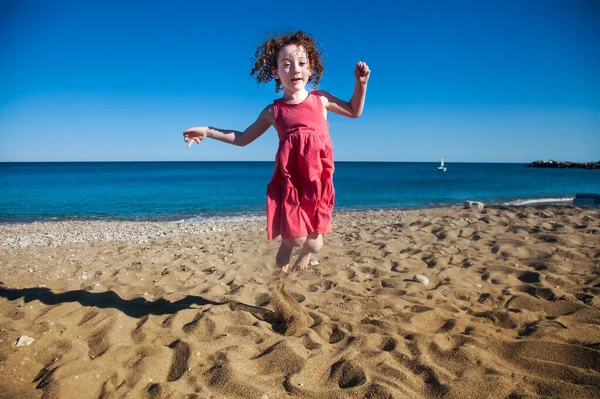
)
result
[(362, 72), (194, 134)]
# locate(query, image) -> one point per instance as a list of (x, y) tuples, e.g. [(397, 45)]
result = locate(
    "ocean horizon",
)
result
[(203, 190)]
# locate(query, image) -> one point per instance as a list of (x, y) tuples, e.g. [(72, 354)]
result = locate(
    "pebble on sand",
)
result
[(421, 279), (24, 340)]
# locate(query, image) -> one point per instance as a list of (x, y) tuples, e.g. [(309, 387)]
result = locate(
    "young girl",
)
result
[(300, 196)]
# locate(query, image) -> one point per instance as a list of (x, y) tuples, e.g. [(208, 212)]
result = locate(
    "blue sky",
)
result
[(474, 81)]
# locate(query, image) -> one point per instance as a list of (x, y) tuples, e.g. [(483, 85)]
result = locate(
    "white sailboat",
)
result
[(442, 168)]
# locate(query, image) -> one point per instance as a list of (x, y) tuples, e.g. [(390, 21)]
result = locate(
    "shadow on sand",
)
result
[(138, 307)]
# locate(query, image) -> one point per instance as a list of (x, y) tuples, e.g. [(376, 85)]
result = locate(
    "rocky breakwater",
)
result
[(564, 165)]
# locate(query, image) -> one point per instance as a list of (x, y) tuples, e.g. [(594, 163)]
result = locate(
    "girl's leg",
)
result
[(312, 245), (284, 254)]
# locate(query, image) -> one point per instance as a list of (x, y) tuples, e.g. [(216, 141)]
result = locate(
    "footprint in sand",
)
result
[(87, 317), (138, 335), (388, 344), (347, 374), (448, 326), (98, 343), (181, 357)]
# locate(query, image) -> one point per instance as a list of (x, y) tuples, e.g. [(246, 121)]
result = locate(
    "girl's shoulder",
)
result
[(268, 114), (324, 96)]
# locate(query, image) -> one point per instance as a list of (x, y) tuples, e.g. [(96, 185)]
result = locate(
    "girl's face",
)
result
[(293, 68)]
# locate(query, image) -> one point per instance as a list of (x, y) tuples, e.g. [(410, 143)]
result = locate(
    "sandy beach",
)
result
[(510, 308)]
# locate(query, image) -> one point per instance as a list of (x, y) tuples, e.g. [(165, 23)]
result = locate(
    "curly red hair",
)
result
[(265, 58)]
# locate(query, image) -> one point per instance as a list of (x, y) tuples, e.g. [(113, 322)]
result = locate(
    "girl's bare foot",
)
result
[(302, 261), (284, 268)]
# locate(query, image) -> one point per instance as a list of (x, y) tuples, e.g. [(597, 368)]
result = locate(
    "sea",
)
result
[(198, 191)]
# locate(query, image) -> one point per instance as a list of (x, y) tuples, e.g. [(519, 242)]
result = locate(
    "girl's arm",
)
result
[(354, 108), (235, 137)]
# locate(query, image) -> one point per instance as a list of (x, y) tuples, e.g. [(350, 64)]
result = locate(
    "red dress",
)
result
[(300, 196)]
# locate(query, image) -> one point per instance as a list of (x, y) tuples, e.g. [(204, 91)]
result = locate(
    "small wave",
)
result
[(523, 202)]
